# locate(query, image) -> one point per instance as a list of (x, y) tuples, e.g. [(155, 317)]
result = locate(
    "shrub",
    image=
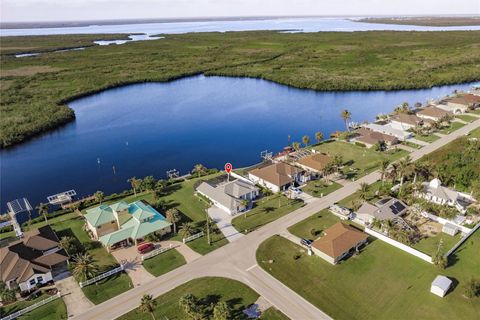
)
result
[(296, 256), (472, 288), (360, 144)]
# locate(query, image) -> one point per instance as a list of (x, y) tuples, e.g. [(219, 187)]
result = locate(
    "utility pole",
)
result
[(208, 227)]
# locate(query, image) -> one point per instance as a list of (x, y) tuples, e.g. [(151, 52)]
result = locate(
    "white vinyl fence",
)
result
[(194, 237), (156, 252), (102, 276), (443, 221), (32, 307), (399, 245), (465, 237)]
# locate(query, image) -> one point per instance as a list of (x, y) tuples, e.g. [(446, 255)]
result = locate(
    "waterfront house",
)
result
[(433, 191), (339, 241), (388, 129), (34, 260), (314, 162), (385, 209), (440, 286), (460, 103), (370, 138), (404, 121), (229, 196), (123, 223), (277, 176), (433, 113)]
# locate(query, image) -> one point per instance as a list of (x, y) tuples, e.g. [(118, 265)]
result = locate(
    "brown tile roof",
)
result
[(22, 259), (434, 112), (316, 161), (410, 119), (373, 137), (465, 99), (339, 239), (278, 174)]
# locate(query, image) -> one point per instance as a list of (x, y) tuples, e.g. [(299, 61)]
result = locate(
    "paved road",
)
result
[(236, 260)]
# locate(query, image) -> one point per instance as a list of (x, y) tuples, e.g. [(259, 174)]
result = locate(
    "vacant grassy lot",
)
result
[(358, 160), (427, 138), (164, 262), (452, 127), (53, 310), (108, 287), (318, 188), (209, 290), (382, 282), (264, 211), (329, 61)]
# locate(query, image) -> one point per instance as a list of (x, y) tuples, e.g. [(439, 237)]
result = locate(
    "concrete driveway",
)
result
[(73, 296), (134, 267), (224, 223)]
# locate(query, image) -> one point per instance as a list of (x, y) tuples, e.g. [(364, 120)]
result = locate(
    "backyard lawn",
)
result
[(429, 245), (55, 309), (312, 227), (164, 262), (318, 188), (106, 288), (209, 290), (358, 160), (452, 127), (382, 282), (265, 211), (427, 138)]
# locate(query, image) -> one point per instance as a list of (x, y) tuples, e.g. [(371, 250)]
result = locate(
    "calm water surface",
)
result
[(146, 129)]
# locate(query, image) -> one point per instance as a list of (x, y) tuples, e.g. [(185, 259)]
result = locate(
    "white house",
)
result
[(390, 130), (460, 103), (277, 176), (229, 196), (440, 286), (433, 191)]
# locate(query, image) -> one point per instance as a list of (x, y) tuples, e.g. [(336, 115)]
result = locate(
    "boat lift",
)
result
[(62, 197), (18, 206)]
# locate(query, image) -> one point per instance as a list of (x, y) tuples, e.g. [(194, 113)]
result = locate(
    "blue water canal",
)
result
[(146, 129)]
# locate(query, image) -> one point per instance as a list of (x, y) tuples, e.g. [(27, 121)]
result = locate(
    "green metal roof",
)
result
[(141, 211), (117, 236), (119, 206), (100, 215)]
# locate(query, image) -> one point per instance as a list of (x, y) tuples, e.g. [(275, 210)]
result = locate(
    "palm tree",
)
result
[(173, 216), (161, 186), (318, 137), (148, 304), (99, 196), (135, 183), (84, 266), (296, 145), (186, 229), (199, 169), (384, 169), (306, 140), (346, 115), (328, 170), (191, 306), (43, 210), (376, 223), (364, 191), (404, 168), (421, 169), (222, 311), (244, 203)]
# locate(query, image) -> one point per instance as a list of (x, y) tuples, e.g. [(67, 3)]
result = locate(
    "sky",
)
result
[(76, 10)]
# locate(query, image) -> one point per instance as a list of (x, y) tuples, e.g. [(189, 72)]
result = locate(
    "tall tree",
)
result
[(84, 266), (244, 203), (346, 115), (148, 304), (43, 210), (149, 183), (222, 311), (404, 168), (99, 196), (318, 136), (173, 216), (306, 140), (199, 169), (384, 169), (191, 306), (187, 229), (364, 191), (296, 145), (135, 183)]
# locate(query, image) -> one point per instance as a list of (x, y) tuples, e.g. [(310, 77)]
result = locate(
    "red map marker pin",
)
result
[(228, 167)]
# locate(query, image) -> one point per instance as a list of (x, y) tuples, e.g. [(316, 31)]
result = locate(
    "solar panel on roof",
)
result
[(397, 207)]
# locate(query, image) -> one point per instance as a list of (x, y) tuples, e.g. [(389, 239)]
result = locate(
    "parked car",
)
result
[(145, 247), (306, 242), (295, 190)]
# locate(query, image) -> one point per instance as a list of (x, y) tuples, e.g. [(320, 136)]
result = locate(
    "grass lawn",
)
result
[(273, 314), (429, 245), (476, 111), (55, 309), (164, 262), (358, 160), (265, 211), (428, 138), (411, 144), (466, 117), (452, 127), (312, 227), (382, 282), (208, 290), (318, 188), (475, 133), (106, 288)]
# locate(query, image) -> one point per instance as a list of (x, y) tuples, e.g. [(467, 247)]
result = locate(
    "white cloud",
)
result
[(64, 10)]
